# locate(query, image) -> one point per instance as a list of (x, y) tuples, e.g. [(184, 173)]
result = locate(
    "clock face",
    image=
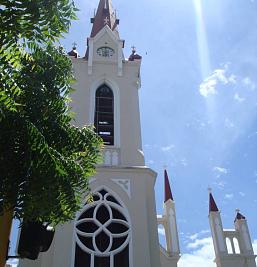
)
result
[(105, 51)]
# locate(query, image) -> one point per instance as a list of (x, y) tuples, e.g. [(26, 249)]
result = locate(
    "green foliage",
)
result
[(45, 162)]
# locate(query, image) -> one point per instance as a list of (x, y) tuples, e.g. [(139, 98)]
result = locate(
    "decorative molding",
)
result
[(124, 184)]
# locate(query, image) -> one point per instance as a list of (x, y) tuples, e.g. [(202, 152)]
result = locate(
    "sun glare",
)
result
[(204, 59), (203, 49)]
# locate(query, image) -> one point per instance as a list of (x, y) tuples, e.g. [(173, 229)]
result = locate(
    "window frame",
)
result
[(123, 210)]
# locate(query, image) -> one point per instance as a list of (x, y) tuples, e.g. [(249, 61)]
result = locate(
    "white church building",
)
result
[(120, 227)]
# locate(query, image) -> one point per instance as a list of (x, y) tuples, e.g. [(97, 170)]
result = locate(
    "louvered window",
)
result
[(104, 114)]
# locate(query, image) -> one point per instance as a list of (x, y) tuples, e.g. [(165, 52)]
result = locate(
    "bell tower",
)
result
[(119, 228), (107, 90), (233, 247)]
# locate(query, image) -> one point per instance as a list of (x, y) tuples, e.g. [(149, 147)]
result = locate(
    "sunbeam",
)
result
[(203, 49), (204, 59)]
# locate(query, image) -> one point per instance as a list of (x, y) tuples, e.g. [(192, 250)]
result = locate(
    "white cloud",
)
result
[(229, 196), (255, 246), (249, 83), (242, 194), (198, 235), (194, 236), (219, 76), (221, 184), (220, 170), (184, 162), (202, 254), (238, 98), (229, 123), (167, 148)]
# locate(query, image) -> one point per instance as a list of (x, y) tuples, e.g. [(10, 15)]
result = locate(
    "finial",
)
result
[(237, 210), (73, 52), (74, 44), (134, 56), (209, 189)]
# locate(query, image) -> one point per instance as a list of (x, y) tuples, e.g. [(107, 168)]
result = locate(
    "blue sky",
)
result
[(198, 105)]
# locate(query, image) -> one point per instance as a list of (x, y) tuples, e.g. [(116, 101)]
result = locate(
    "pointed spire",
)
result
[(212, 203), (105, 15), (133, 55), (168, 194), (74, 52), (239, 216)]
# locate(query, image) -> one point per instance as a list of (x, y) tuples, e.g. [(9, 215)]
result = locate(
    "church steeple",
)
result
[(212, 204), (168, 194), (105, 15)]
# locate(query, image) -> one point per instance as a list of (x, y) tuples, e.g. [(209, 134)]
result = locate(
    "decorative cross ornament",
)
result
[(133, 48), (106, 20), (74, 45)]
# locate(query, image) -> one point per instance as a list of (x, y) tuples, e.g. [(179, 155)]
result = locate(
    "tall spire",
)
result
[(105, 15), (212, 203), (168, 193)]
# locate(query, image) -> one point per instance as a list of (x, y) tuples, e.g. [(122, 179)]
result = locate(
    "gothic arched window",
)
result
[(102, 233), (104, 114)]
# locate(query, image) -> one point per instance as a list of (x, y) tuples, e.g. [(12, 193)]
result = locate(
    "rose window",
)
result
[(102, 233)]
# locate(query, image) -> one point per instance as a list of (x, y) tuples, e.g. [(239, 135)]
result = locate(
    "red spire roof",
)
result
[(212, 204), (239, 216), (168, 194), (134, 56), (74, 52), (104, 16)]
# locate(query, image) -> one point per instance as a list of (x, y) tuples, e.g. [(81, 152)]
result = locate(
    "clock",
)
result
[(105, 51)]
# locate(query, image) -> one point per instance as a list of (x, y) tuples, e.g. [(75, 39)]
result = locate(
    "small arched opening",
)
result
[(104, 114)]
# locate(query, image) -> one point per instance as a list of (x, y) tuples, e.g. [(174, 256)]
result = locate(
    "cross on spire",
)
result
[(106, 20), (74, 44), (104, 16), (133, 49)]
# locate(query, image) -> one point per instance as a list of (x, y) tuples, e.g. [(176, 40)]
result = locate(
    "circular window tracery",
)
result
[(102, 229)]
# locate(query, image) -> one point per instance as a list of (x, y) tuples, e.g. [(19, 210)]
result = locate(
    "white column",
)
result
[(90, 55), (172, 231), (120, 58), (244, 237), (217, 234)]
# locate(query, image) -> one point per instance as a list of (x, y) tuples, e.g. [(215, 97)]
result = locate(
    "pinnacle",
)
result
[(168, 193), (212, 204)]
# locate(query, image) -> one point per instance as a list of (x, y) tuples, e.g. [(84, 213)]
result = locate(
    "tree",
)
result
[(44, 160)]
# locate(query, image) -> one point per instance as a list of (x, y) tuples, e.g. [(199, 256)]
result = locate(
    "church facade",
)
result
[(119, 228)]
